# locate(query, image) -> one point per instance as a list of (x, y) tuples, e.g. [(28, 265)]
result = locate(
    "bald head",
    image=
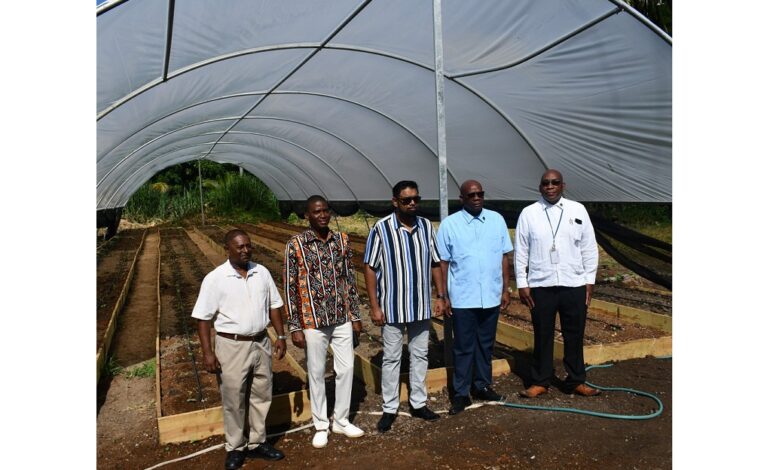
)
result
[(551, 174), (467, 184)]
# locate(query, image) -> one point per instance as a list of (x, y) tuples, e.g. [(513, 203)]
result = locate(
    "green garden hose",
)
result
[(597, 413)]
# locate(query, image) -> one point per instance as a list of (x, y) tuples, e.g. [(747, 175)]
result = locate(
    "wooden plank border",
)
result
[(101, 354), (292, 407)]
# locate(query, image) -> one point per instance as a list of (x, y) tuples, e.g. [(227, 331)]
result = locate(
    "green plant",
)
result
[(145, 369), (112, 367)]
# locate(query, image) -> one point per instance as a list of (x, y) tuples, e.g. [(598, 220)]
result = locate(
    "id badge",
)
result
[(554, 257)]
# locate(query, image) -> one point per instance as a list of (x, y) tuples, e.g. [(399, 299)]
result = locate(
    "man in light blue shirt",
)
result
[(473, 245)]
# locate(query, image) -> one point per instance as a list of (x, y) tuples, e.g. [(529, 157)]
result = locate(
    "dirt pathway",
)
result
[(135, 338)]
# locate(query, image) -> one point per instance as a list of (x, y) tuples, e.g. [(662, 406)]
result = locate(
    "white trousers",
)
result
[(392, 339), (316, 343)]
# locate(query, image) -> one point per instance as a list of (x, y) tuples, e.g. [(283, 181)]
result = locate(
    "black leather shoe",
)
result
[(486, 394), (265, 451), (458, 404), (234, 459), (386, 422), (424, 413)]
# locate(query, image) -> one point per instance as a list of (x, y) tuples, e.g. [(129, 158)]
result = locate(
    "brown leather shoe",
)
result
[(586, 391), (533, 391)]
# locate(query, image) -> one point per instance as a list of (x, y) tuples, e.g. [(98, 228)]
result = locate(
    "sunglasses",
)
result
[(408, 200), (480, 194), (553, 182)]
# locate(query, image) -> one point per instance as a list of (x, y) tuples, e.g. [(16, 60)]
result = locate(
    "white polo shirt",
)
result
[(240, 306), (575, 242)]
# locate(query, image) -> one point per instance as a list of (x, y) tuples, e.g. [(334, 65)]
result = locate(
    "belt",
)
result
[(257, 337)]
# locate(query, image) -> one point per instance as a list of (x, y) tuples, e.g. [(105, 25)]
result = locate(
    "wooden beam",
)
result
[(635, 315), (287, 408)]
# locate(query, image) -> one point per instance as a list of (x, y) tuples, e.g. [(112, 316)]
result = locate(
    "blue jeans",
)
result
[(474, 332)]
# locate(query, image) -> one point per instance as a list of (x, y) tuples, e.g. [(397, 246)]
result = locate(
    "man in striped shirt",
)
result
[(322, 306), (401, 256)]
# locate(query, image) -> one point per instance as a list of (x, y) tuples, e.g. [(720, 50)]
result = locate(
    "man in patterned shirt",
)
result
[(322, 306), (400, 258)]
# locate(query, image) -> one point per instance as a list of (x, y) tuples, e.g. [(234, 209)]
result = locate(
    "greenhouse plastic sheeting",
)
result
[(338, 97)]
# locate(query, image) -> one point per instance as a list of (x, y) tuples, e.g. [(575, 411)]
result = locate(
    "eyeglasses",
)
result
[(553, 182), (408, 200), (480, 194)]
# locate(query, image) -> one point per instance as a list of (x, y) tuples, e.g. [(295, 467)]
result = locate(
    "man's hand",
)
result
[(589, 294), (211, 363), (505, 300), (298, 339), (439, 308), (526, 297), (280, 348), (378, 318), (357, 327)]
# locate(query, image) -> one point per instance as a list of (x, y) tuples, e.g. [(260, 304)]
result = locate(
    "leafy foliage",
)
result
[(173, 195)]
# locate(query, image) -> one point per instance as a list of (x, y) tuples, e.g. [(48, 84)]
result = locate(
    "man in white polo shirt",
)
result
[(237, 297)]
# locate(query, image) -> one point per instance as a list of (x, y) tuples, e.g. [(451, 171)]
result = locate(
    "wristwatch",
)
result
[(441, 296), (281, 337), (510, 290)]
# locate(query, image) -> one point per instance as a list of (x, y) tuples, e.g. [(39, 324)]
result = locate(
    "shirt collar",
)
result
[(309, 236), (252, 269), (469, 218), (397, 224), (546, 205)]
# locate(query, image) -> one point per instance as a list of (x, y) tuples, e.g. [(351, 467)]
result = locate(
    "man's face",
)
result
[(239, 250), (407, 201), (551, 186), (318, 214), (472, 197)]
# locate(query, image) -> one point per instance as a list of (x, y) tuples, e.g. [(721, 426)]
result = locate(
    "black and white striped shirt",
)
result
[(402, 261)]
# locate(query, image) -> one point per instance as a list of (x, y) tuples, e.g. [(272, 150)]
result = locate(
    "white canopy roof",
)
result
[(338, 97)]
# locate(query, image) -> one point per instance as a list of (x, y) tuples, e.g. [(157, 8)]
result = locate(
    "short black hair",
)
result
[(234, 233), (401, 185), (313, 199)]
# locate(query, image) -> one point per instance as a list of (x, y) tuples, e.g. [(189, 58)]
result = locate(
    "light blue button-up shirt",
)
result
[(474, 248)]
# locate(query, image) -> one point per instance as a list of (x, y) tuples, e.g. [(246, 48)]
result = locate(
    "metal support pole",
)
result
[(200, 189), (438, 47)]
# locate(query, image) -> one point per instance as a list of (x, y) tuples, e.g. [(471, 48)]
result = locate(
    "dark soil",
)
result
[(490, 437), (113, 261)]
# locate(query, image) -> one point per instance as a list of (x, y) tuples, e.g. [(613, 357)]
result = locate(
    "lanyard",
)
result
[(553, 247)]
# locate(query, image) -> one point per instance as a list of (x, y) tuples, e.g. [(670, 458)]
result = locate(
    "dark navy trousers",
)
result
[(474, 332)]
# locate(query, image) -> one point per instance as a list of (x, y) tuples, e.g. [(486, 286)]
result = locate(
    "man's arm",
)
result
[(444, 276), (378, 317), (590, 253), (209, 359), (438, 280), (521, 260), (291, 290), (352, 291), (505, 298), (277, 322)]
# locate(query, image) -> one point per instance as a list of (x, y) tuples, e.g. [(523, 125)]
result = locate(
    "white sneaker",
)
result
[(320, 439), (349, 429)]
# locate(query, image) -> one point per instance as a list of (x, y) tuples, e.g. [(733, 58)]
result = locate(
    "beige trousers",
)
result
[(246, 378)]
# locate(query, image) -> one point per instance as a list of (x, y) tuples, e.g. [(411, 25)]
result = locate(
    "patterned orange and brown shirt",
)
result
[(319, 281)]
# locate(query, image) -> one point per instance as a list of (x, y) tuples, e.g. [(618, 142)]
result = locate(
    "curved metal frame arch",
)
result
[(322, 95), (330, 47), (331, 134), (306, 150)]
